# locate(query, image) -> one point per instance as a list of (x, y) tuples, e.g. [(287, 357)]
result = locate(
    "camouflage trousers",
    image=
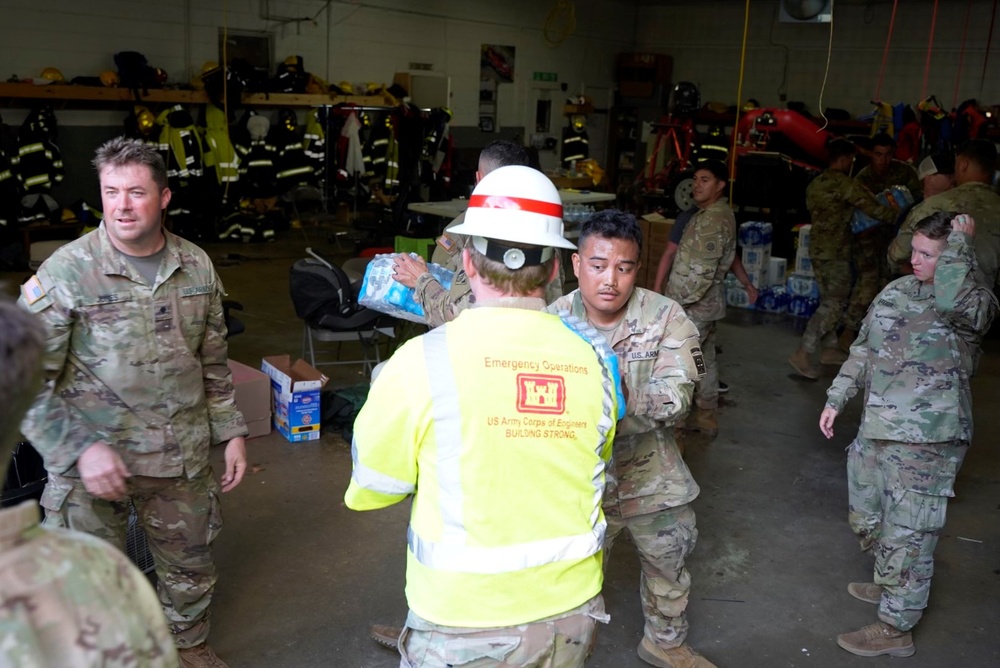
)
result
[(663, 539), (181, 518), (706, 390), (834, 279), (871, 269), (560, 641), (898, 495)]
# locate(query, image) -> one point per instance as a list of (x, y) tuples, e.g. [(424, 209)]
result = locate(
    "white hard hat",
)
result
[(516, 204)]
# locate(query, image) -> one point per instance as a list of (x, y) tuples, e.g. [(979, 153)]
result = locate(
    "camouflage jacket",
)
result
[(658, 351), (706, 251), (831, 199), (898, 174), (975, 199), (71, 599), (140, 367), (916, 351)]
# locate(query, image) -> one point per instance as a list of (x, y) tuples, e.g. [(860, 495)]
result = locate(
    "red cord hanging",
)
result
[(930, 49), (989, 41), (885, 52), (961, 53)]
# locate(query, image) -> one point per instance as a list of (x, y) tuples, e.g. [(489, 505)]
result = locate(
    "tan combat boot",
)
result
[(803, 365), (387, 636), (832, 356), (869, 592), (846, 338), (674, 657), (200, 656), (877, 639), (703, 420)]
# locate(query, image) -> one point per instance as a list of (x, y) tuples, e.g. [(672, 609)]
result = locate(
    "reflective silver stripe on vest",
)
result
[(447, 432), (374, 481), (452, 553), (457, 558)]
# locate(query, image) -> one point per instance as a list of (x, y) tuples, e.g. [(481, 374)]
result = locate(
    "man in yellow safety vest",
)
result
[(502, 438)]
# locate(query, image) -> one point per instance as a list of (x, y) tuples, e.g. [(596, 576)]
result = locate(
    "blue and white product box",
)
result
[(803, 265), (776, 271), (802, 286), (802, 307), (381, 292), (295, 397), (773, 299), (760, 277), (802, 243), (758, 257), (754, 234)]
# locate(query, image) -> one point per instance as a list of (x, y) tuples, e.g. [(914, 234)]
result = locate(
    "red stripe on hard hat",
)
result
[(516, 203)]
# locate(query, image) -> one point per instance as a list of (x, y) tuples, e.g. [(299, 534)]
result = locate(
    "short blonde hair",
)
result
[(521, 281)]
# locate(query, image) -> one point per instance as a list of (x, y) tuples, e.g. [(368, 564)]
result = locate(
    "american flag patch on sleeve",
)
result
[(32, 290)]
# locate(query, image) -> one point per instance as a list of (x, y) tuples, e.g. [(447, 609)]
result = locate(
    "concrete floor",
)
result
[(302, 577)]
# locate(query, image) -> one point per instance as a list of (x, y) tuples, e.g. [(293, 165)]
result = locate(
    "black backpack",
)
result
[(134, 72), (323, 296)]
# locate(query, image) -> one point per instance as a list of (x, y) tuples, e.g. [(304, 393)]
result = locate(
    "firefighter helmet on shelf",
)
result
[(347, 87), (198, 80), (53, 74), (515, 204), (109, 78)]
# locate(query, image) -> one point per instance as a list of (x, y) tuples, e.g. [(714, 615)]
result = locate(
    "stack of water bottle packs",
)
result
[(898, 197), (763, 270), (779, 292), (381, 292), (803, 291)]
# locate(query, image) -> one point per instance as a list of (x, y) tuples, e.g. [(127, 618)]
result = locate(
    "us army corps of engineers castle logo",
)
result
[(541, 393)]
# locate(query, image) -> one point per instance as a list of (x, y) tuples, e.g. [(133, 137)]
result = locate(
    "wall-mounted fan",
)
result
[(806, 11)]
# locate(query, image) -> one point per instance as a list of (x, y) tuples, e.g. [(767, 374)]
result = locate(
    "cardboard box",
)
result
[(803, 265), (572, 182), (802, 241), (654, 241), (758, 258), (759, 277), (644, 279), (295, 390), (253, 397), (777, 271)]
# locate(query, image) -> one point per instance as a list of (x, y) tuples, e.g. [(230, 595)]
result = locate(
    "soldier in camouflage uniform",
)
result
[(649, 488), (66, 598), (914, 356), (974, 165), (440, 305), (704, 255), (868, 248), (831, 198), (137, 388)]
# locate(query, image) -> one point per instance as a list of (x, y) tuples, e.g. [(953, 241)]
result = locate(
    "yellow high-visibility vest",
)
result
[(500, 425)]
